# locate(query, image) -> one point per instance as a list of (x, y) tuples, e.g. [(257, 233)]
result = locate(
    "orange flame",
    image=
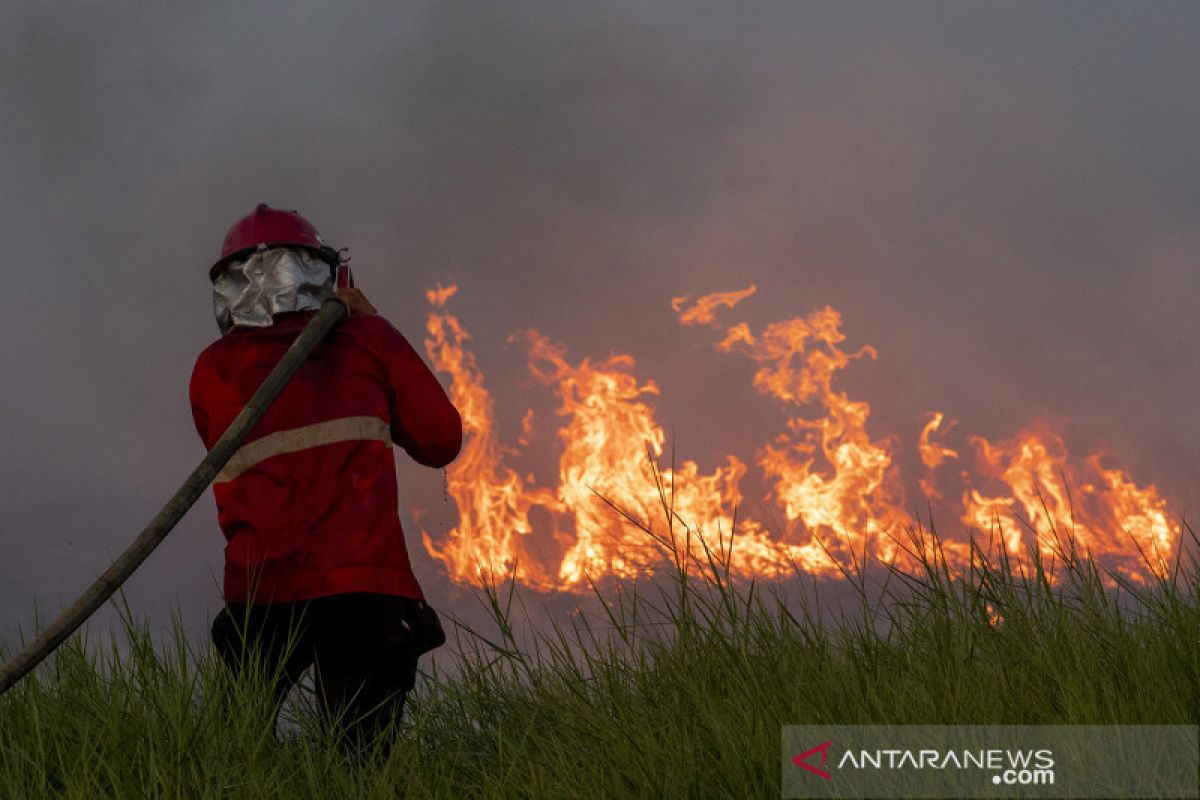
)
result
[(527, 427), (493, 503), (702, 310), (933, 455), (838, 487), (1109, 516), (850, 503)]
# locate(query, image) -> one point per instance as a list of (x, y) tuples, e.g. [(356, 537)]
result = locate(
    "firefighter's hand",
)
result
[(356, 301)]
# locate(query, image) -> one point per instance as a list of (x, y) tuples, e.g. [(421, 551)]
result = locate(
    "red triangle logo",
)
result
[(800, 761)]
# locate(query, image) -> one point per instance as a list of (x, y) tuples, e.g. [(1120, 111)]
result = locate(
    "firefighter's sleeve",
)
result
[(424, 421), (198, 394)]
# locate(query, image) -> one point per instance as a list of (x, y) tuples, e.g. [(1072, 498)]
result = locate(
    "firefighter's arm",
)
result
[(424, 421), (199, 389)]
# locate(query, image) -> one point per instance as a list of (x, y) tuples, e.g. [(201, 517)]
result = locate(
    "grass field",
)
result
[(678, 688)]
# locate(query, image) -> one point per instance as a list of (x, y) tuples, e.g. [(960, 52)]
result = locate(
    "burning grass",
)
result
[(674, 687), (833, 488)]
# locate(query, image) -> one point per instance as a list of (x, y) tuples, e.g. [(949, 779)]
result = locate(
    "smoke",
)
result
[(1001, 200)]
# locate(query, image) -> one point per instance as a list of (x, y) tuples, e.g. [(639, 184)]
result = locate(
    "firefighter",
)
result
[(316, 568)]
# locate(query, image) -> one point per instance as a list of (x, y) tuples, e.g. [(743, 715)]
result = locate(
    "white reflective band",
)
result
[(346, 429)]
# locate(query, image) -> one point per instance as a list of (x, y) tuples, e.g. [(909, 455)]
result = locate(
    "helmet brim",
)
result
[(326, 254)]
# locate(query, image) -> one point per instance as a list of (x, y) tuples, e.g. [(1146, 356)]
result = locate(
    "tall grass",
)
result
[(676, 687)]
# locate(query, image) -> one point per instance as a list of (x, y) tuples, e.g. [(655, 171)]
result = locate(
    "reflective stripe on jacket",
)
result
[(308, 504)]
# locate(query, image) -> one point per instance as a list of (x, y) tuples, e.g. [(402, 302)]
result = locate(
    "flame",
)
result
[(702, 310), (1110, 515), (837, 486), (847, 503), (933, 455), (493, 502), (528, 423)]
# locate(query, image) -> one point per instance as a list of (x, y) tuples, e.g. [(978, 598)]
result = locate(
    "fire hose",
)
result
[(331, 312)]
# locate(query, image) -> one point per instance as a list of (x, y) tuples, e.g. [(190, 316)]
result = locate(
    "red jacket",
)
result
[(308, 504)]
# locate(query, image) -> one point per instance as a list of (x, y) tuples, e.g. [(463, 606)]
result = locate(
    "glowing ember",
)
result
[(838, 488)]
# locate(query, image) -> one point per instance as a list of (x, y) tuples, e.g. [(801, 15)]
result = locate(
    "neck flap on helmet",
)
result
[(271, 281)]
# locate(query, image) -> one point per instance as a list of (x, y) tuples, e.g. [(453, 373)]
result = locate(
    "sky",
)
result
[(1001, 199)]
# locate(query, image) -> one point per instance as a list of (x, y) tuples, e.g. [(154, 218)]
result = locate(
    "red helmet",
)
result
[(271, 227)]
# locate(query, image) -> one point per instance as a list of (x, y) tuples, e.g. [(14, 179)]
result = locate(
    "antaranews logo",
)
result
[(1009, 767), (1119, 762)]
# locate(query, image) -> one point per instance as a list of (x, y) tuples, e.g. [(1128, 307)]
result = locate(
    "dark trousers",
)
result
[(364, 647)]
